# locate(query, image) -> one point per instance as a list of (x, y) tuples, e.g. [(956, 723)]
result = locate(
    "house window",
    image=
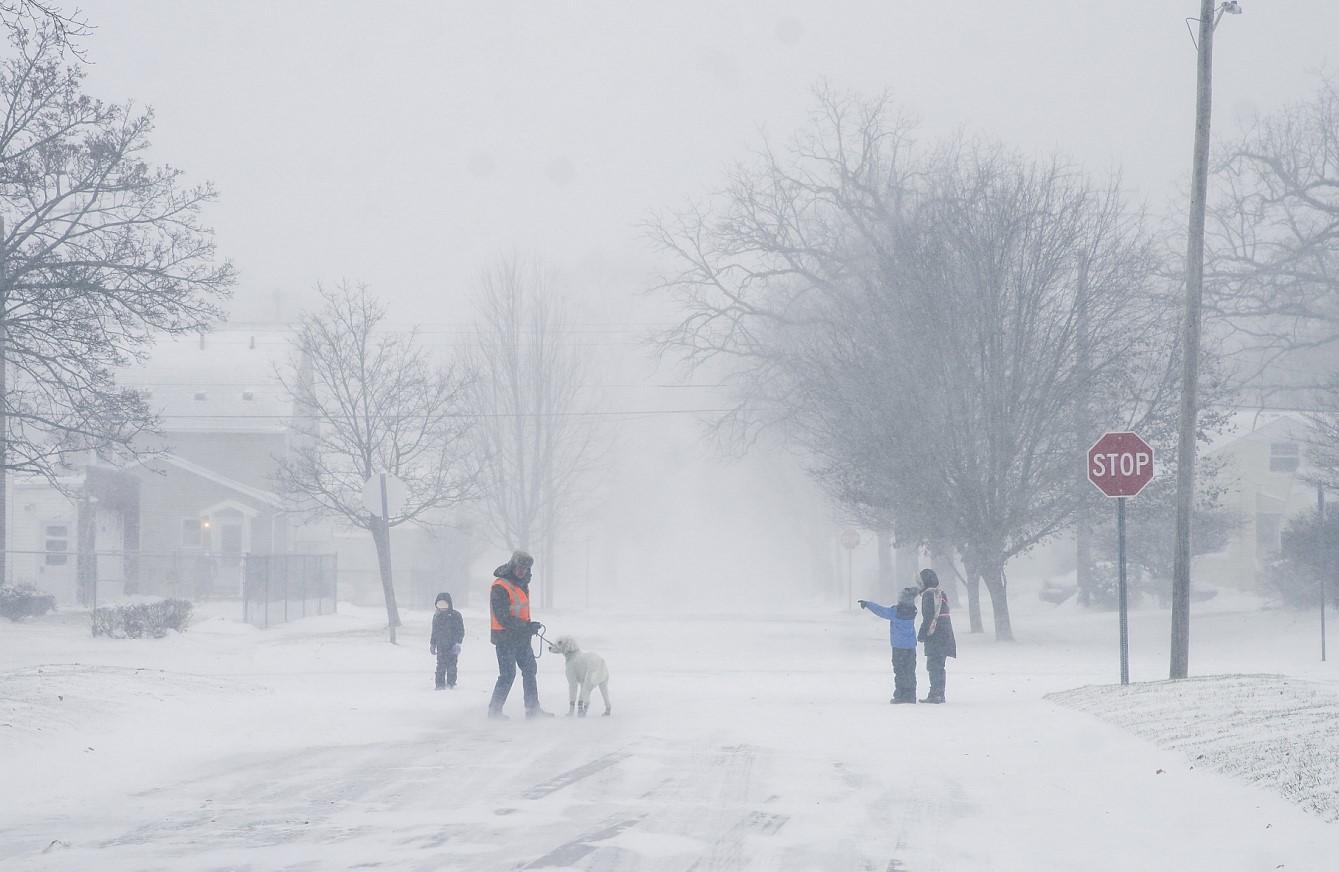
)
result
[(192, 535), (1284, 457), (248, 395), (57, 544), (200, 396)]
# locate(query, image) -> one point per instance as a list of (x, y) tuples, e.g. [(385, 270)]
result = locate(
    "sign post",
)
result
[(850, 539), (1324, 576), (1120, 465)]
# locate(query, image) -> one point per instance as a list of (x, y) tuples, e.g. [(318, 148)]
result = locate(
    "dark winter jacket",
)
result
[(936, 625), (448, 627), (514, 630), (902, 626)]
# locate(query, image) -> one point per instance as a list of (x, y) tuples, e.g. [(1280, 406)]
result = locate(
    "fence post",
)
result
[(246, 612), (267, 593)]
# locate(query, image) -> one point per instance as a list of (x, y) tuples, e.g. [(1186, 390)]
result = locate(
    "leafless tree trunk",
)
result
[(373, 401), (528, 400)]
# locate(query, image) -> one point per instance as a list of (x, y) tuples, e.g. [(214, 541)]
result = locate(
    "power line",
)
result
[(601, 413)]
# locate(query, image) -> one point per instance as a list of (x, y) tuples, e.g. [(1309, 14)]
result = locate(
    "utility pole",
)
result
[(1083, 547), (4, 412), (1185, 452)]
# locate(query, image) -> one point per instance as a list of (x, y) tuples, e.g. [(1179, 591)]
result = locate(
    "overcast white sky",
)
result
[(404, 144)]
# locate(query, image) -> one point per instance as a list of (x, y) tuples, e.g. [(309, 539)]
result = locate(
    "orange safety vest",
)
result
[(520, 603)]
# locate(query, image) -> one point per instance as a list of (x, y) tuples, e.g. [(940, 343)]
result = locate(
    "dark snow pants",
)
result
[(938, 676), (904, 674), (513, 655), (446, 668)]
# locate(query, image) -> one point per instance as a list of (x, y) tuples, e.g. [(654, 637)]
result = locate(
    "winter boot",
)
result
[(933, 698), (537, 712), (497, 715)]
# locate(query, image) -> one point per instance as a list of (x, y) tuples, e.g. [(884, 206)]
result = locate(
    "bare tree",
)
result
[(1273, 239), (914, 321), (66, 30), (371, 400), (100, 252), (528, 399)]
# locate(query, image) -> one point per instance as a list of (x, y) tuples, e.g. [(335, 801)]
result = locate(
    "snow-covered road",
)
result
[(737, 743)]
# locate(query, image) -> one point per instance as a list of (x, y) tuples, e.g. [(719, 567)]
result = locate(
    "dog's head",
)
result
[(564, 645)]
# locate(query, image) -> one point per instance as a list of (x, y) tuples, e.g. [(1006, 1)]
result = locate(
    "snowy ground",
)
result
[(737, 743), (1268, 729)]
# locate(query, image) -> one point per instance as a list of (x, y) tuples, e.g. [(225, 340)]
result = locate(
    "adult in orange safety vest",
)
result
[(511, 630)]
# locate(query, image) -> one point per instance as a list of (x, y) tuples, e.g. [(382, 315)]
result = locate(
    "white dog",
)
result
[(585, 671)]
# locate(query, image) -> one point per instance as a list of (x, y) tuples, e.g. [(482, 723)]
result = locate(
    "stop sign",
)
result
[(1120, 464)]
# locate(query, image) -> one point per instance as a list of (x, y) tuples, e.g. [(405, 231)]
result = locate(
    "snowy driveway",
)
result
[(736, 744)]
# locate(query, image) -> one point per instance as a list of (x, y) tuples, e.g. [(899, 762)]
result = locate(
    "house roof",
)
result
[(224, 381), (262, 496), (1249, 424)]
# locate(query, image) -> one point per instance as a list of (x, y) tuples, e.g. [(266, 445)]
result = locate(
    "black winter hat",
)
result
[(444, 596), (908, 596), (929, 578), (521, 558)]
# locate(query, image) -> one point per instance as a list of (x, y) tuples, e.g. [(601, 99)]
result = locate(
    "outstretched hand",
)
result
[(863, 603)]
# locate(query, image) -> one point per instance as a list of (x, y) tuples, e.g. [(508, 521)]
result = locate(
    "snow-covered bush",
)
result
[(137, 620), (25, 602)]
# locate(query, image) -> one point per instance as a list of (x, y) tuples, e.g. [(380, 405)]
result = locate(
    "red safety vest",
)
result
[(520, 603)]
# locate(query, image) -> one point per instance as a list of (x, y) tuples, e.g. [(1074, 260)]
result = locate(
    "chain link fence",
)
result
[(284, 587)]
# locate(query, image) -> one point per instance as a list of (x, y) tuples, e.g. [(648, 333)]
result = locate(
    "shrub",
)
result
[(137, 620), (25, 602), (1308, 554)]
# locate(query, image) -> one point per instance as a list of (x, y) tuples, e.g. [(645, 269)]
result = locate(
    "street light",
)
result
[(1210, 15)]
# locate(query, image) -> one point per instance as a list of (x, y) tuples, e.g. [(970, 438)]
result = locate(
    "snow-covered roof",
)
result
[(1246, 424), (223, 381), (255, 493)]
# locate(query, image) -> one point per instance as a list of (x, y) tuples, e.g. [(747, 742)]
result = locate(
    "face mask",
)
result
[(442, 606)]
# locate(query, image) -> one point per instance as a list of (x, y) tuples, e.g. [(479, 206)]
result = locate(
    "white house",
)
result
[(1265, 470)]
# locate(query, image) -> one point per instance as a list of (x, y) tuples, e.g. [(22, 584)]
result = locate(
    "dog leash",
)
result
[(543, 641)]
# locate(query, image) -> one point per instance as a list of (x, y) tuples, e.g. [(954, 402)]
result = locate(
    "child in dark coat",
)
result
[(902, 635), (448, 631)]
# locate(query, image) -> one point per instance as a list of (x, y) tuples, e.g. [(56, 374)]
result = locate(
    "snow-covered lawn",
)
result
[(1271, 730), (737, 742)]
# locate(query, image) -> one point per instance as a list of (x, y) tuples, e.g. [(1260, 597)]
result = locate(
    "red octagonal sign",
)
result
[(1120, 464)]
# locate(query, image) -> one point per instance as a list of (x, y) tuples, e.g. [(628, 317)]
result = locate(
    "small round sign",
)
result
[(396, 491), (850, 538)]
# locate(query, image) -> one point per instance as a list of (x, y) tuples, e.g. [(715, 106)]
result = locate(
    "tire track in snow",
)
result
[(572, 776)]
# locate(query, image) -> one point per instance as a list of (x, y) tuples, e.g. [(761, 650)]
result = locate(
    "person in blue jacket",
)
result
[(902, 634)]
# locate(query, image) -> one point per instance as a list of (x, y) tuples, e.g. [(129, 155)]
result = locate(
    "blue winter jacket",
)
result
[(902, 626)]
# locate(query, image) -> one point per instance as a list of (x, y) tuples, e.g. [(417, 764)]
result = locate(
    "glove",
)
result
[(535, 628), (432, 649), (455, 649), (863, 603)]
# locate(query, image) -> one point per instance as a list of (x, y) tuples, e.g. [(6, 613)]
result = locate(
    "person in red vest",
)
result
[(509, 610)]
